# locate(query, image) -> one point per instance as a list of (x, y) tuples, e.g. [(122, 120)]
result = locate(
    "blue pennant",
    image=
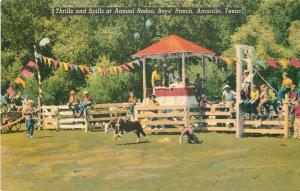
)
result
[(137, 62)]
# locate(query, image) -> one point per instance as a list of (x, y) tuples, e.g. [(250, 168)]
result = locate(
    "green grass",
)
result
[(75, 160)]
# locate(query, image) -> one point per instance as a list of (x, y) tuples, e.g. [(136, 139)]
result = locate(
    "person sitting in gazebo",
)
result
[(173, 75), (178, 83), (156, 77)]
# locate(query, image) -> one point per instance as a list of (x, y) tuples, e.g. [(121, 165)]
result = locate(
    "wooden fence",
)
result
[(214, 117)]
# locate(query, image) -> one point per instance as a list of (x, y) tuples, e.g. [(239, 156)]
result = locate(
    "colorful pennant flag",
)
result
[(26, 73), (125, 67), (284, 63), (55, 63), (131, 65), (32, 64), (66, 66), (19, 80), (272, 63), (137, 62), (295, 62), (49, 61), (228, 60), (261, 63), (44, 60), (10, 91)]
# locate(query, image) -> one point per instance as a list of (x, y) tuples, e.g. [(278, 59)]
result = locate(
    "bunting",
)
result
[(10, 91), (284, 63), (19, 80), (26, 73), (272, 63), (32, 64), (295, 62)]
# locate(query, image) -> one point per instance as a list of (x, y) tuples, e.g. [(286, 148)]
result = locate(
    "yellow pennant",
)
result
[(284, 63), (111, 70), (228, 60), (49, 60), (61, 64), (99, 69), (120, 69), (19, 80), (130, 64), (66, 66), (115, 69), (81, 67)]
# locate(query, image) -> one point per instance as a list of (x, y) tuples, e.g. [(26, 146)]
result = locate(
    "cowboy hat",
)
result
[(72, 92), (246, 71), (85, 92), (226, 86)]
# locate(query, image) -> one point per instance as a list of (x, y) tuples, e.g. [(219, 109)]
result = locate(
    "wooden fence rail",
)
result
[(214, 117)]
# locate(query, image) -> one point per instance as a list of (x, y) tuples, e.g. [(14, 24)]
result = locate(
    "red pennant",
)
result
[(295, 62), (272, 63)]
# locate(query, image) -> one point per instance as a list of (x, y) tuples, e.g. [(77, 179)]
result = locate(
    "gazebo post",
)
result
[(183, 69), (144, 79)]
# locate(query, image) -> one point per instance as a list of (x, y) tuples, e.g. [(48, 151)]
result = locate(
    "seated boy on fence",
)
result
[(132, 102), (191, 136), (87, 101), (73, 102), (228, 97)]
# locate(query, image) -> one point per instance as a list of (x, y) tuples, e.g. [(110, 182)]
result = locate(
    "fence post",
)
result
[(86, 119), (56, 117), (286, 116)]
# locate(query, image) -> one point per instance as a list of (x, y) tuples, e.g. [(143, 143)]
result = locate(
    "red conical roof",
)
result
[(172, 44)]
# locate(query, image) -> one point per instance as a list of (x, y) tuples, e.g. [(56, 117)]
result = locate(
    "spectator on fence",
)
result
[(272, 101), (246, 83), (254, 101), (132, 102), (286, 86), (173, 75), (191, 137), (178, 83), (74, 102), (293, 94), (156, 77), (228, 97), (27, 112), (87, 101), (296, 115), (263, 99)]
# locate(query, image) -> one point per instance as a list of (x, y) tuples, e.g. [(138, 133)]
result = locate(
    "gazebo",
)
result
[(172, 46)]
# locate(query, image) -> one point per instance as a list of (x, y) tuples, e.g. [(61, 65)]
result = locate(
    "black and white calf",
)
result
[(120, 125)]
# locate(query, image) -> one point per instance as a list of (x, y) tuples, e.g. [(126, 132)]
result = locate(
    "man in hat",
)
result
[(286, 86), (156, 77), (173, 75), (87, 101), (27, 112), (73, 102), (228, 97)]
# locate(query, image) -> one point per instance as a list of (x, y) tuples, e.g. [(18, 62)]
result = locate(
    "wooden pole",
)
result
[(40, 91), (183, 69), (86, 119), (239, 116), (286, 116), (144, 80)]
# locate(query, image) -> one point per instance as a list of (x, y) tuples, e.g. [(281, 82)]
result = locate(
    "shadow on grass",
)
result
[(42, 137), (142, 142)]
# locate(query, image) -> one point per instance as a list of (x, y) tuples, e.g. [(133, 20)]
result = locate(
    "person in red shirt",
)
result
[(192, 137), (296, 114)]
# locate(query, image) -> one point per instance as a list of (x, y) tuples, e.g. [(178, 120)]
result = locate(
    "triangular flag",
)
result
[(99, 69), (55, 63), (71, 66), (61, 64), (104, 71), (261, 63), (295, 62), (93, 69), (32, 64), (10, 91), (19, 80), (75, 67), (87, 69), (26, 73), (111, 70), (120, 69), (115, 69), (137, 62), (125, 67), (272, 63), (209, 57), (284, 63), (216, 58), (44, 59), (66, 66), (49, 60), (228, 60), (130, 64), (39, 57)]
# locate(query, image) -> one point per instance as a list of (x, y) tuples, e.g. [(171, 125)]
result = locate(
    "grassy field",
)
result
[(75, 160)]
